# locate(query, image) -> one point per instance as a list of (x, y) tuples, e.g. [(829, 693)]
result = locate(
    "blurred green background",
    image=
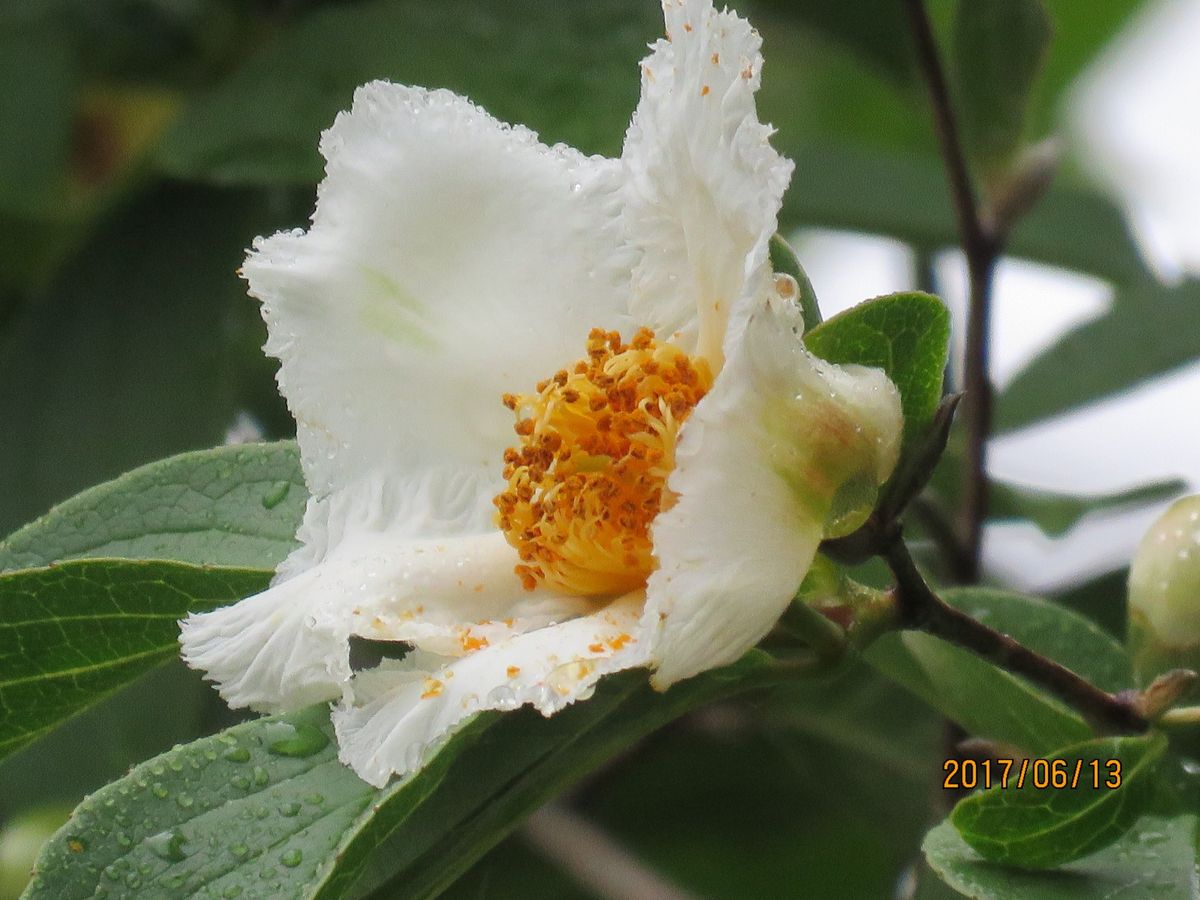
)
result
[(146, 142)]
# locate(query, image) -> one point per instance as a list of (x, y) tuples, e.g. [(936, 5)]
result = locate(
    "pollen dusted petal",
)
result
[(597, 444), (704, 186), (396, 717)]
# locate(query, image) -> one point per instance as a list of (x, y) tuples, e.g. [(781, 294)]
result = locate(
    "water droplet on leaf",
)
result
[(296, 740), (276, 494), (168, 845)]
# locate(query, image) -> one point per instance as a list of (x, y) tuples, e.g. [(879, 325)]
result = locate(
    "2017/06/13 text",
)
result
[(968, 774)]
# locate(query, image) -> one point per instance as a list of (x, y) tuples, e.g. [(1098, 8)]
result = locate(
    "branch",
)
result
[(981, 246), (590, 856), (920, 608)]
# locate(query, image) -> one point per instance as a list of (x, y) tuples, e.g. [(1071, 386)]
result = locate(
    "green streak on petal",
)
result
[(394, 312)]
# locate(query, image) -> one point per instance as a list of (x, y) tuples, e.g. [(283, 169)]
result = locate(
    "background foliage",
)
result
[(147, 141)]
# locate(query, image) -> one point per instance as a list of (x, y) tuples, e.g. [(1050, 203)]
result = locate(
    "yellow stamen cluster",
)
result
[(597, 443)]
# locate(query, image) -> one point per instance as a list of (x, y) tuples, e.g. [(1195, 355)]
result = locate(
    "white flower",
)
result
[(453, 262)]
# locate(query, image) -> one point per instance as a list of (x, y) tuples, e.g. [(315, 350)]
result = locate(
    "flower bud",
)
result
[(21, 840), (1164, 593)]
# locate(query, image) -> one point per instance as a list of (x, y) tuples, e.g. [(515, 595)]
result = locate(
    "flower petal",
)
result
[(704, 186), (267, 652), (396, 717), (289, 646), (450, 258), (766, 463)]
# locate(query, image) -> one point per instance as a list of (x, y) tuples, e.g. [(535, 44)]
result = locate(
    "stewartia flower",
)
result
[(677, 455)]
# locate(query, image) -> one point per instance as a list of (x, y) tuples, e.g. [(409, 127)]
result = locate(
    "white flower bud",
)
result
[(1164, 591)]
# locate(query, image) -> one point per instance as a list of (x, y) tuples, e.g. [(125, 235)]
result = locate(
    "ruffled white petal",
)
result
[(703, 185), (289, 646), (763, 465), (451, 258), (397, 716), (268, 652)]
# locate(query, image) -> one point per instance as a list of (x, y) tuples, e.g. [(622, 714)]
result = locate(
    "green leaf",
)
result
[(1156, 860), (984, 700), (713, 804), (1000, 46), (784, 260), (234, 506), (1149, 331), (72, 633), (38, 66), (992, 703), (144, 345), (906, 335), (266, 808), (877, 36), (1042, 827), (1071, 227), (170, 704), (525, 61), (1056, 514), (1067, 637)]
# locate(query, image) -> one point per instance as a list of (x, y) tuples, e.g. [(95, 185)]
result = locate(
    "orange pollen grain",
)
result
[(470, 643), (588, 475), (433, 687), (513, 671), (619, 641)]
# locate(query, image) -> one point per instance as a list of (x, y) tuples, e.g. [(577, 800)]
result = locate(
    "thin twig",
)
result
[(981, 246), (920, 608), (590, 856)]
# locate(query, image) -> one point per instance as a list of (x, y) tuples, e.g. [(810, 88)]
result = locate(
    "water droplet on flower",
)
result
[(290, 809), (234, 890), (236, 754), (159, 790), (292, 858), (261, 777), (314, 799), (184, 801)]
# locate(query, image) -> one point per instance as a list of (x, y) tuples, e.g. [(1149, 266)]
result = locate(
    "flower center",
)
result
[(589, 474)]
